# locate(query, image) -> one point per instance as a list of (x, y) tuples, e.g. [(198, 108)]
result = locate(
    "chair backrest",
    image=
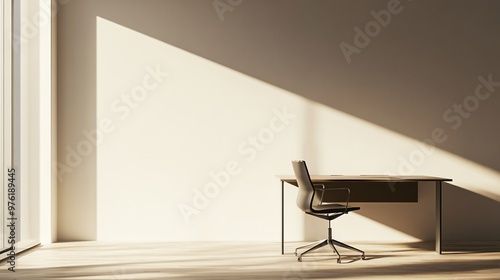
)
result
[(306, 189)]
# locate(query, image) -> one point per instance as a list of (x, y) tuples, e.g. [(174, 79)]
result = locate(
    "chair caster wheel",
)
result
[(363, 257), (295, 253), (338, 260), (300, 259)]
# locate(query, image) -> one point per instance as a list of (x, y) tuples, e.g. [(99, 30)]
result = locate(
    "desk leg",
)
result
[(282, 217), (439, 223)]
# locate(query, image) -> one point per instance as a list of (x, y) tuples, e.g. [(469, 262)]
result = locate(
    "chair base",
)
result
[(329, 241)]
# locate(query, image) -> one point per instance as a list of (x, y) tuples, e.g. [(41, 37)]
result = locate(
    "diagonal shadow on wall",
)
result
[(406, 79)]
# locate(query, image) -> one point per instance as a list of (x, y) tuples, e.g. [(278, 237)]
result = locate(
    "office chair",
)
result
[(307, 202)]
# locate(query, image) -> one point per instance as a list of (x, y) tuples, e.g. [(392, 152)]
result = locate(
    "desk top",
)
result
[(365, 178)]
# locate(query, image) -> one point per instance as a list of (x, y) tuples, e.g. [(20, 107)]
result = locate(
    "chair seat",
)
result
[(333, 208)]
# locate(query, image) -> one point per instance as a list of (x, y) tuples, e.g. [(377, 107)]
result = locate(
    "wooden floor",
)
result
[(95, 260)]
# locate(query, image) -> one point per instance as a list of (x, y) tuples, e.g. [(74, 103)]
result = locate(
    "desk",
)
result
[(290, 179)]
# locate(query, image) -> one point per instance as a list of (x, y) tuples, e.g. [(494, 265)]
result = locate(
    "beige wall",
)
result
[(163, 136)]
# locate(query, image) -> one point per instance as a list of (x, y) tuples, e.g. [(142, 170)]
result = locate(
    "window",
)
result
[(26, 116), (5, 117)]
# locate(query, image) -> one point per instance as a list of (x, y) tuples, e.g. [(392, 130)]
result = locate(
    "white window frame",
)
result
[(5, 112), (27, 114)]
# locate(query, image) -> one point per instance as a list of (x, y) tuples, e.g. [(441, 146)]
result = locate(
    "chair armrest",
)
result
[(323, 189)]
